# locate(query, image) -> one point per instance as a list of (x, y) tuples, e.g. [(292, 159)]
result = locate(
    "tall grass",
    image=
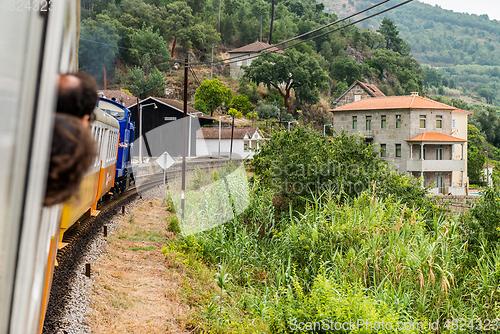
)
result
[(379, 251)]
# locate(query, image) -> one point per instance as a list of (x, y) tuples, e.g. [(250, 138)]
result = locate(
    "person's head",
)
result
[(72, 153), (77, 95)]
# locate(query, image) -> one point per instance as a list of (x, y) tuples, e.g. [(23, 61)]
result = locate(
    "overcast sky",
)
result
[(490, 7)]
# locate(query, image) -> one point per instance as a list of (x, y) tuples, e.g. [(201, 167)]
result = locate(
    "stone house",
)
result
[(242, 53), (357, 91), (416, 135)]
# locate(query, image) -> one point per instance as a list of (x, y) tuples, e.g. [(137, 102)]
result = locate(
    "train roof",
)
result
[(106, 118)]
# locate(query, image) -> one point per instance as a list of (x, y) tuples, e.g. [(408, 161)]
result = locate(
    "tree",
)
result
[(184, 29), (99, 44), (487, 120), (144, 82), (210, 95), (392, 41), (347, 70), (301, 163), (289, 71), (148, 41), (475, 157), (488, 93), (241, 103), (341, 87)]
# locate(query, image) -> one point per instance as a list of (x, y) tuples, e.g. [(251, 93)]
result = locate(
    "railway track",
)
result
[(80, 235)]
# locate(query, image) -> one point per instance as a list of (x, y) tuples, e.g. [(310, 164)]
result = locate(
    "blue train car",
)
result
[(124, 174)]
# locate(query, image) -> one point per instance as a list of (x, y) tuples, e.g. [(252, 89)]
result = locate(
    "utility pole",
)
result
[(232, 133), (261, 28), (212, 63), (184, 134), (272, 20), (220, 7)]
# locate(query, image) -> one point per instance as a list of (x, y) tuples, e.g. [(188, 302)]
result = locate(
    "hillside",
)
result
[(465, 47)]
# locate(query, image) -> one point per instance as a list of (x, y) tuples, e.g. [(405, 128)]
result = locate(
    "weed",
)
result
[(173, 225), (148, 248), (142, 235)]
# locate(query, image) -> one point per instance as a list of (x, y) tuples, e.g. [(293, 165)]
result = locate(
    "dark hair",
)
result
[(73, 151), (77, 101)]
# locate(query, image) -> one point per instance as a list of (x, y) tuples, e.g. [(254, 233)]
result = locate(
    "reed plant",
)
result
[(381, 249)]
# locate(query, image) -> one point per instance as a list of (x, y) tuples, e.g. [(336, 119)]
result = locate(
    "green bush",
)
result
[(301, 164), (328, 307), (483, 220), (173, 225)]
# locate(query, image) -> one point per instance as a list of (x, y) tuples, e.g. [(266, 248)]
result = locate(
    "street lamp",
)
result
[(140, 127), (220, 118), (324, 128), (189, 131)]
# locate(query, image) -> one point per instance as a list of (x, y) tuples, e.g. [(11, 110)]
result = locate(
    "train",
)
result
[(112, 171), (37, 46)]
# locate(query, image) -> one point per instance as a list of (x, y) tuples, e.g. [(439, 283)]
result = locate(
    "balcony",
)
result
[(368, 134), (435, 165)]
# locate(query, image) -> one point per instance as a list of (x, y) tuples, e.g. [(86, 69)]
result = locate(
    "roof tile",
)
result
[(435, 137), (395, 102), (255, 46)]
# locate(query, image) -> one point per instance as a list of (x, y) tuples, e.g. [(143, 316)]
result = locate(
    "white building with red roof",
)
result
[(417, 135), (246, 141), (242, 56)]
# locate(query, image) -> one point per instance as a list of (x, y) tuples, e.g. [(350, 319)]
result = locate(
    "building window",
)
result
[(454, 123), (383, 150), (368, 123), (246, 144), (439, 122), (424, 181), (383, 121), (439, 152), (398, 122), (357, 97), (440, 183), (398, 150), (354, 122), (422, 121), (420, 150)]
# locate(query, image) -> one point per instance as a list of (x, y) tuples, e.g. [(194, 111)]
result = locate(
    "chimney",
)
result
[(425, 95), (414, 93)]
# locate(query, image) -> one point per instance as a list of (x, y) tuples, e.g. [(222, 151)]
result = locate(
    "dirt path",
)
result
[(134, 289)]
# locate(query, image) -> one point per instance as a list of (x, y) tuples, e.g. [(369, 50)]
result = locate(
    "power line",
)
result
[(310, 38), (304, 34), (124, 48)]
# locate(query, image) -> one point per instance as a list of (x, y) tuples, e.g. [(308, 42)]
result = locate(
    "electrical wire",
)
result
[(304, 34), (308, 39), (124, 48)]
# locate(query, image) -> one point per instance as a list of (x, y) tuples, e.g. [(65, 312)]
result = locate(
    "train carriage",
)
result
[(100, 177), (36, 46), (124, 172)]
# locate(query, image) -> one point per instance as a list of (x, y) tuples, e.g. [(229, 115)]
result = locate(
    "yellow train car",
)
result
[(100, 177)]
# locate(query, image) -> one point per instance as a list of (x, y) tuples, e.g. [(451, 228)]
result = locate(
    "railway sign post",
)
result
[(165, 161)]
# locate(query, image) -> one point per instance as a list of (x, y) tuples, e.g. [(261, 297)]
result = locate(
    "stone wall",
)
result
[(457, 204)]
